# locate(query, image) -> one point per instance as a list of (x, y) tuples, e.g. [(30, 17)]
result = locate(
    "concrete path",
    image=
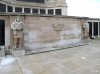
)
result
[(77, 60)]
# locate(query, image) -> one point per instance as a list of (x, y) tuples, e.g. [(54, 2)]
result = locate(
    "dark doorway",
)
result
[(90, 28), (95, 28), (2, 32), (99, 28)]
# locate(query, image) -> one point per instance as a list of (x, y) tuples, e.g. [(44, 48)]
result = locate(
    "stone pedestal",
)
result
[(18, 52), (2, 53)]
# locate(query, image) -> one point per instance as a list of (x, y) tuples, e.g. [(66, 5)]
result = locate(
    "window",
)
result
[(10, 9), (42, 11), (35, 10), (2, 8), (58, 12), (50, 11), (26, 10), (18, 9)]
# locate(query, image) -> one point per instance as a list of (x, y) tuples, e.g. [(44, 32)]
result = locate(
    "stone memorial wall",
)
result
[(45, 32)]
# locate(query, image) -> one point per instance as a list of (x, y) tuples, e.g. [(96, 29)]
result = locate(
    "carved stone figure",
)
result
[(86, 30), (17, 28)]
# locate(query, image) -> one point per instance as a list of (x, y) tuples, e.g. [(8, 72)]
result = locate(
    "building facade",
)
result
[(49, 7), (94, 27)]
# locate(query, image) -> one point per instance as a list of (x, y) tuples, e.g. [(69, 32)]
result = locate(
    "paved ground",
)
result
[(78, 60)]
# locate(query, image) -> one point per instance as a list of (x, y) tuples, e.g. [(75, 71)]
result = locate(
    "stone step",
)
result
[(18, 52), (59, 47)]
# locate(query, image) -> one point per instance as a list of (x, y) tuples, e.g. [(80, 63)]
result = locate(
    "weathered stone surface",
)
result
[(2, 53), (41, 36), (18, 52)]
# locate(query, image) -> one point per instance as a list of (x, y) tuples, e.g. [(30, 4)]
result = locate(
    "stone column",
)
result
[(14, 9), (92, 29), (6, 8), (54, 12), (23, 10), (46, 11), (38, 11), (31, 11)]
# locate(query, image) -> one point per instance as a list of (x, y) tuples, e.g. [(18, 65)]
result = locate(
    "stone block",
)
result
[(2, 53), (18, 52)]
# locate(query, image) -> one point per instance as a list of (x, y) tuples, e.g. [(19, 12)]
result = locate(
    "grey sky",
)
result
[(88, 8)]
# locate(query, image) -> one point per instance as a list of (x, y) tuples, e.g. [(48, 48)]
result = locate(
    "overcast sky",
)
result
[(88, 8)]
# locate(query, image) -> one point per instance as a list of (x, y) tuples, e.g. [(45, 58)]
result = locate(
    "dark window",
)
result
[(36, 1), (42, 11), (26, 10), (99, 28), (18, 9), (58, 12), (35, 10), (90, 28), (50, 11), (2, 32), (2, 8), (10, 9), (95, 28)]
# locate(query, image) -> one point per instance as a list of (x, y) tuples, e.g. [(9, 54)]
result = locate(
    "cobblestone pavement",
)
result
[(77, 60)]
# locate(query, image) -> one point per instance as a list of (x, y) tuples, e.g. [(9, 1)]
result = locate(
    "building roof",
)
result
[(94, 18)]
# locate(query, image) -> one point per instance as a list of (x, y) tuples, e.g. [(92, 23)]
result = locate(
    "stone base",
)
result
[(2, 53), (18, 52), (59, 47)]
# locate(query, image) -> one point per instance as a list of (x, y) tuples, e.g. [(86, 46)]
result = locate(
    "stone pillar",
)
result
[(46, 11), (38, 11), (92, 29), (31, 11), (98, 29), (14, 9), (23, 10), (6, 8), (54, 12)]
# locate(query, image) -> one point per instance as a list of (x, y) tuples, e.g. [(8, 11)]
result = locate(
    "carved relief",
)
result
[(58, 27)]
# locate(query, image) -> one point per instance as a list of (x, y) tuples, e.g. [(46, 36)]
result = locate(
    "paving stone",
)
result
[(97, 62), (85, 70), (83, 62), (78, 60), (97, 69), (17, 72), (52, 68), (71, 65)]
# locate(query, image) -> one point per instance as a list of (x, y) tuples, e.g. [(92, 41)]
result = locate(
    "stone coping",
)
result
[(40, 15)]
